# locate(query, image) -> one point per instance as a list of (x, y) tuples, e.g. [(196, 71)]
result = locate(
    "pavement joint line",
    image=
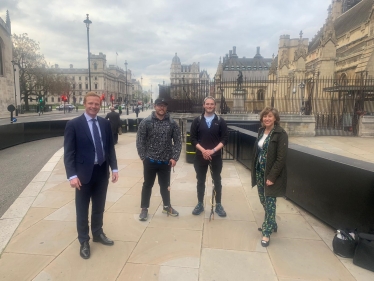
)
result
[(5, 238)]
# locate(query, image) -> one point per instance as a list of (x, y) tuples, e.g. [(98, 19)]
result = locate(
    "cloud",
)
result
[(148, 33)]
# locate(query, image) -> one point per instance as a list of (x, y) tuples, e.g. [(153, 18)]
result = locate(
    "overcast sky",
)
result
[(147, 33)]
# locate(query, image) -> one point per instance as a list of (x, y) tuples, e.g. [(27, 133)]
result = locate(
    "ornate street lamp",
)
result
[(141, 85), (88, 22), (127, 95)]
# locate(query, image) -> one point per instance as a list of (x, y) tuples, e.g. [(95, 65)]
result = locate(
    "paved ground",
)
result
[(43, 244)]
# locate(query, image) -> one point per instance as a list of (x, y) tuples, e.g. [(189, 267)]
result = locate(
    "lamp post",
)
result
[(15, 90), (88, 22), (141, 86), (127, 95), (302, 87)]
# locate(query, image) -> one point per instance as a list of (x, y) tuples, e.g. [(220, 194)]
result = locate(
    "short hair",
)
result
[(209, 98), (266, 111), (90, 94)]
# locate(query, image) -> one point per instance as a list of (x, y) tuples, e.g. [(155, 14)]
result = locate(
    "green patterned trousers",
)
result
[(269, 204)]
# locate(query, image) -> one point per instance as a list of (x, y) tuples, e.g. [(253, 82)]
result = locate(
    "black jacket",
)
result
[(208, 138), (276, 170), (114, 120)]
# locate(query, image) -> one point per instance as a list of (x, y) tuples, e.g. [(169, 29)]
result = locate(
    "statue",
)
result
[(240, 80)]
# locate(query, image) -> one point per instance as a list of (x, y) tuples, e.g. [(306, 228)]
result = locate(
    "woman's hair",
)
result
[(90, 94), (266, 111)]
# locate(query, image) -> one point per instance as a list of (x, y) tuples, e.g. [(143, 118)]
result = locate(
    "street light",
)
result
[(127, 96), (141, 85), (88, 22), (15, 90)]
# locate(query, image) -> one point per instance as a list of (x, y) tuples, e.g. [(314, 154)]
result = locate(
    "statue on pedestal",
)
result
[(239, 80)]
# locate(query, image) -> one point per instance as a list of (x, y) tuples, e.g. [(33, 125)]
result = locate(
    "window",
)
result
[(95, 66), (1, 59), (73, 78), (58, 99), (80, 78), (86, 86), (86, 78), (95, 77), (80, 86), (95, 86), (53, 99), (74, 86), (249, 68), (46, 99), (260, 95)]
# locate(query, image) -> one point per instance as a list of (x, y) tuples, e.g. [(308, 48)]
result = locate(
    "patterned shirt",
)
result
[(159, 139)]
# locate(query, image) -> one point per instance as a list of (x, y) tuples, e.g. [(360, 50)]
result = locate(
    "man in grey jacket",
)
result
[(159, 146)]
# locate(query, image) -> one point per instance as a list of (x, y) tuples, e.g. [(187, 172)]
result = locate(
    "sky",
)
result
[(148, 33)]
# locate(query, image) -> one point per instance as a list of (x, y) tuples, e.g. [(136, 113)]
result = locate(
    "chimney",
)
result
[(234, 50), (56, 65), (71, 66), (258, 51), (230, 53)]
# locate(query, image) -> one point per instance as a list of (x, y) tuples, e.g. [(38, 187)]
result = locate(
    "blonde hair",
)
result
[(266, 111), (209, 98), (90, 94)]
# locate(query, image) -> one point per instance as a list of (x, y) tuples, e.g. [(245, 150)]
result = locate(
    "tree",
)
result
[(37, 80)]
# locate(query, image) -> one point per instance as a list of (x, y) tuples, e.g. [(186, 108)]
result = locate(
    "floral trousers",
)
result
[(269, 203)]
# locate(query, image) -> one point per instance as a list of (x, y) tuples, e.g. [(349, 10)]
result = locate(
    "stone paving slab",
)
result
[(38, 236)]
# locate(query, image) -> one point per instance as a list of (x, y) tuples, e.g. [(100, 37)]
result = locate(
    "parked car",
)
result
[(67, 107)]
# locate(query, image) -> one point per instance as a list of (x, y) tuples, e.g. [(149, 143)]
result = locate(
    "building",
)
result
[(8, 73), (111, 80), (243, 79)]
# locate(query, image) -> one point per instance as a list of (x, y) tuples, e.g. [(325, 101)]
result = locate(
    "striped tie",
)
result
[(98, 146)]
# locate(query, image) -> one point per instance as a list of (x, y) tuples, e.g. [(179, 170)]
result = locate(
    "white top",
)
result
[(262, 140), (209, 120)]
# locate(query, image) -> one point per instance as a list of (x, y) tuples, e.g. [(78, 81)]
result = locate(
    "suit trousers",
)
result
[(94, 190), (201, 168), (163, 173)]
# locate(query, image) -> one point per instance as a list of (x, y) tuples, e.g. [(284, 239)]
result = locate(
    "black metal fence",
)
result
[(337, 104)]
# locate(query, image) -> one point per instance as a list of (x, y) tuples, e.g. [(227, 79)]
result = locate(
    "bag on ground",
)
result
[(364, 254), (344, 243)]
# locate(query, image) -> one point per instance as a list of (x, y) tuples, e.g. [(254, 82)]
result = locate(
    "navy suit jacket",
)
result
[(79, 148)]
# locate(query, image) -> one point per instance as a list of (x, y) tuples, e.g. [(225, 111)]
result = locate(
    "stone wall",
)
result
[(299, 125), (366, 126), (6, 79)]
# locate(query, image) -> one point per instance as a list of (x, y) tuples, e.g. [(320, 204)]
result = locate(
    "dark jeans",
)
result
[(163, 173), (201, 168), (95, 190)]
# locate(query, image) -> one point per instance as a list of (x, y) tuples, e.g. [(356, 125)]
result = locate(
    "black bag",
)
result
[(364, 254), (344, 245)]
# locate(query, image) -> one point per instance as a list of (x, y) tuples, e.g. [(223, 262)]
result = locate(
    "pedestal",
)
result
[(239, 96)]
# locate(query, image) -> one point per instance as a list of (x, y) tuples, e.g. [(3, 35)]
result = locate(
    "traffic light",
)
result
[(111, 98), (40, 99)]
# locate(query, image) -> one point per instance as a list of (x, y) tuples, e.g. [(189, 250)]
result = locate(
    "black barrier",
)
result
[(14, 134), (190, 149), (133, 124), (124, 125), (336, 189)]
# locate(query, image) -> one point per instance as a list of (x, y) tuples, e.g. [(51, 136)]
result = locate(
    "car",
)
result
[(67, 107)]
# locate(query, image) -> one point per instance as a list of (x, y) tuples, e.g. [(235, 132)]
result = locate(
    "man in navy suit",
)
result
[(89, 152)]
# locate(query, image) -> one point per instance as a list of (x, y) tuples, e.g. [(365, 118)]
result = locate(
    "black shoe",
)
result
[(85, 251), (198, 209), (274, 229), (220, 211), (143, 215), (170, 211), (265, 243), (103, 239)]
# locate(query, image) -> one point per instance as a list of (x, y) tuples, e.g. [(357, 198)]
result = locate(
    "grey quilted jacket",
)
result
[(276, 170)]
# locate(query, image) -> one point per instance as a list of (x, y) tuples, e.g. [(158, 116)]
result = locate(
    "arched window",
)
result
[(343, 80), (260, 94)]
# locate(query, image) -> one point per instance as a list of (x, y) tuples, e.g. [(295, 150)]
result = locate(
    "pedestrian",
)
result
[(88, 154), (137, 111), (208, 134), (159, 146), (269, 171), (120, 110), (115, 123)]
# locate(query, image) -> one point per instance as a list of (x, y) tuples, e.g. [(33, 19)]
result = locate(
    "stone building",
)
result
[(241, 82), (109, 80), (7, 74)]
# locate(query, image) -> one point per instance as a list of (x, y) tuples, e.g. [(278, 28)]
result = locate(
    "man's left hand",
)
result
[(172, 163), (115, 177), (268, 182)]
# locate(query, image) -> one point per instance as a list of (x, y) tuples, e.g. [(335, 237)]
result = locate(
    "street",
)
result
[(20, 164)]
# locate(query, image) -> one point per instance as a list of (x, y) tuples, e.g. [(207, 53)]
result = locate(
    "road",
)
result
[(20, 164)]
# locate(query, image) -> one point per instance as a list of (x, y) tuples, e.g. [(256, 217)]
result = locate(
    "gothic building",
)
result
[(7, 74)]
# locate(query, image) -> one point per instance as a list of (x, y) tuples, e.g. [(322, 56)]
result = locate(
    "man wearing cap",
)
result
[(159, 146)]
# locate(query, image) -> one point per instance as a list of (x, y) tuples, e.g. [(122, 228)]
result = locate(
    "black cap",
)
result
[(157, 101)]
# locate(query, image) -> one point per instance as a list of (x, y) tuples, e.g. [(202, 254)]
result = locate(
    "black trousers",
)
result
[(95, 190), (201, 167), (163, 173), (115, 138)]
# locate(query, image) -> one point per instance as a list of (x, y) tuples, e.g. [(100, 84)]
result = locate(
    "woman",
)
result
[(269, 168)]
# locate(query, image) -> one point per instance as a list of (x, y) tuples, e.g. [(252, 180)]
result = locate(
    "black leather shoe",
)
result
[(85, 251), (103, 239), (265, 243)]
